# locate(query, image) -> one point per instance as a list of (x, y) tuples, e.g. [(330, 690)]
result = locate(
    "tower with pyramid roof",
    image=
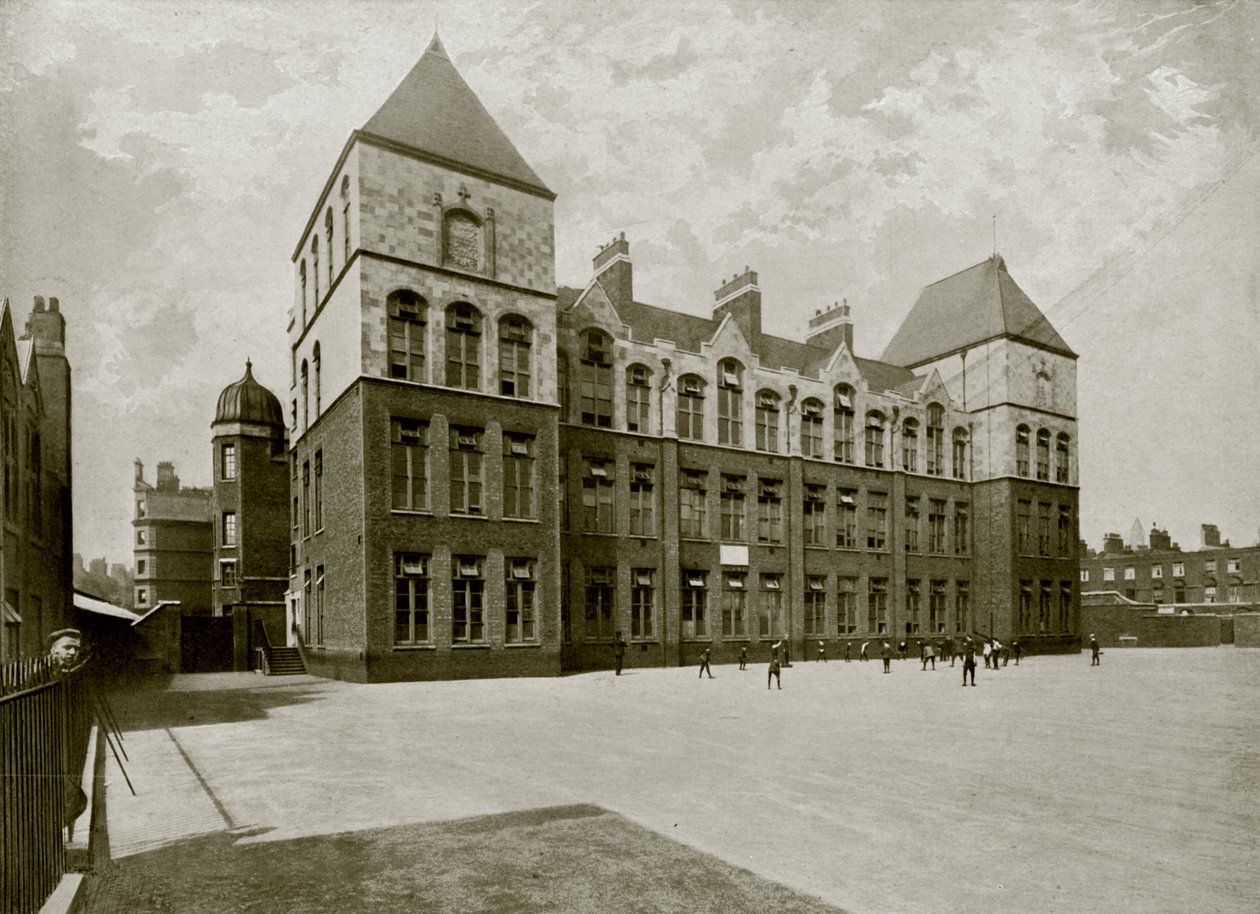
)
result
[(1000, 357), (423, 399)]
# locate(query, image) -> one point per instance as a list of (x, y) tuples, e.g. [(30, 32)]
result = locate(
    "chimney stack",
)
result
[(1211, 536), (613, 270), (167, 481), (46, 327), (832, 327), (740, 297)]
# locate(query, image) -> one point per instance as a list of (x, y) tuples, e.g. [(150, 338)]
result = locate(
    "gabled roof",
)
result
[(689, 331), (979, 304), (434, 111)]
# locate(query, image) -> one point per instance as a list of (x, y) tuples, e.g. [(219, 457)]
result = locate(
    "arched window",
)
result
[(910, 445), (463, 346), (874, 439), (767, 421), (812, 428), (306, 414), (843, 432), (1021, 450), (516, 337), (462, 234), (315, 366), (935, 439), (638, 399), (730, 403), (345, 219), (302, 283), (408, 317), (691, 408), (960, 453), (1063, 458), (562, 383), (1043, 455), (314, 272), (328, 234), (595, 379)]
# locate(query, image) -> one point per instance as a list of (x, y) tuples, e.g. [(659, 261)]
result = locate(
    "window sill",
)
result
[(461, 516), (515, 645), (406, 648), (521, 520), (414, 512), (481, 646), (816, 546)]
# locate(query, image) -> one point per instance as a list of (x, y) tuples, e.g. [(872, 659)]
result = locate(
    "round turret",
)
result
[(248, 401)]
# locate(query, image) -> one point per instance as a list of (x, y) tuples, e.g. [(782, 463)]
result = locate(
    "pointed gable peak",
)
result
[(433, 111)]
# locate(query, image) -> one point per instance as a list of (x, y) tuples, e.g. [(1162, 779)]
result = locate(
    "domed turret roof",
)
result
[(248, 401)]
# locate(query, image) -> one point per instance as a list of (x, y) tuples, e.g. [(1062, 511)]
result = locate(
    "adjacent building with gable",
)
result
[(495, 476)]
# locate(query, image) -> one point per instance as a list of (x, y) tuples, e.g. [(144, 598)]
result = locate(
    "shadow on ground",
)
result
[(157, 709), (557, 859)]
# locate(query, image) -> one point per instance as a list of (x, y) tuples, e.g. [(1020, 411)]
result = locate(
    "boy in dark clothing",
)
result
[(1016, 650), (929, 655), (774, 666), (969, 661), (704, 663), (822, 653), (886, 653), (743, 658), (848, 649), (619, 652), (1094, 651)]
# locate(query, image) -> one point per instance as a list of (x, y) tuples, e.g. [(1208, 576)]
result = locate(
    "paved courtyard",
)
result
[(1054, 786)]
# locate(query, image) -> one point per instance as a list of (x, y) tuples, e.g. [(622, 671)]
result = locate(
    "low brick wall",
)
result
[(1124, 624), (1247, 630)]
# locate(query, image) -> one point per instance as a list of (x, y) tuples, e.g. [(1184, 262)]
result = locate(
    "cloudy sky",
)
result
[(158, 161)]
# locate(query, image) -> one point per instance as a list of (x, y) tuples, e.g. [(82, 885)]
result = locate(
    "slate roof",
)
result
[(980, 303), (689, 331), (434, 111)]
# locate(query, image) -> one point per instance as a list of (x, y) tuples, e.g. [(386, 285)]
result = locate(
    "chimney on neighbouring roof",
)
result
[(1113, 542), (1159, 539), (832, 327), (1211, 535), (167, 481), (741, 299), (613, 270)]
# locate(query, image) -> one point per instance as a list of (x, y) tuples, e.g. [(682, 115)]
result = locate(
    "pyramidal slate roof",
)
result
[(981, 303), (434, 111)]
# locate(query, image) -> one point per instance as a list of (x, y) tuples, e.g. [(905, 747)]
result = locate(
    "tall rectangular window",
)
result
[(1023, 521), (1043, 529), (411, 599), (1043, 607), (874, 440), (306, 498), (465, 470), (463, 346), (409, 460), (735, 604), (812, 428), (936, 526), (815, 606), (227, 572), (642, 604), (767, 422), (732, 505), (690, 411), (769, 511), (1025, 607), (962, 530), (695, 604), (846, 519), (1065, 606), (406, 336), (597, 496), (936, 608), (843, 421), (515, 338), (468, 594), (227, 462), (814, 516), (642, 500), (319, 490), (912, 606), (730, 404), (600, 593), (229, 528), (518, 476), (319, 605), (877, 606), (877, 520), (770, 612), (520, 599), (962, 607), (846, 605), (912, 523), (638, 398), (692, 505), (1065, 531), (595, 380), (935, 440)]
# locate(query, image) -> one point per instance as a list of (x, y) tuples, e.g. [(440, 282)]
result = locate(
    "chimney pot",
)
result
[(54, 304), (39, 303)]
